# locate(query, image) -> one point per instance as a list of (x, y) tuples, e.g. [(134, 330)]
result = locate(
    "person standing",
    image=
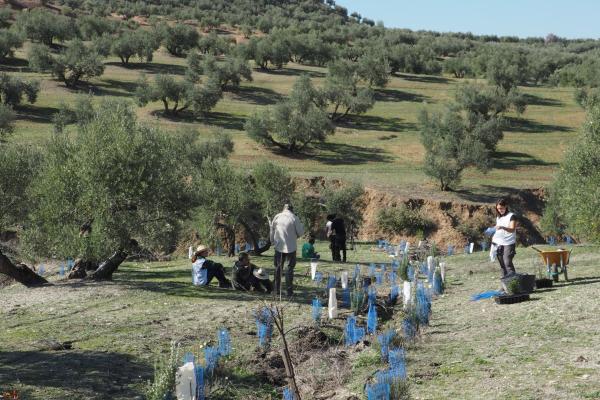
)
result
[(285, 230), (338, 242), (329, 234), (505, 237)]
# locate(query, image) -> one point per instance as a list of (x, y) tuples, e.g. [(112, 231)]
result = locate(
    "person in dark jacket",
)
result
[(247, 276), (338, 239)]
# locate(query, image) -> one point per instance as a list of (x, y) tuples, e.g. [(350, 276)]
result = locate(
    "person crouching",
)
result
[(204, 270), (247, 276)]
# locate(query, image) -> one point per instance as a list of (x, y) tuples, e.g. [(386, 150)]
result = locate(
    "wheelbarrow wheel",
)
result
[(555, 273)]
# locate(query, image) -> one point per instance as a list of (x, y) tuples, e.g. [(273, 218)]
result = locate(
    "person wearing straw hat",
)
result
[(213, 269), (285, 230), (247, 276)]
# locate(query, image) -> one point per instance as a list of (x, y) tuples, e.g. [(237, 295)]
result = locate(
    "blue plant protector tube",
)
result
[(450, 250), (331, 282), (346, 302), (318, 277), (397, 358), (378, 391), (371, 269), (61, 270), (70, 264), (316, 309), (356, 274), (288, 394), (41, 270), (200, 393), (224, 342), (372, 318), (211, 357), (188, 357)]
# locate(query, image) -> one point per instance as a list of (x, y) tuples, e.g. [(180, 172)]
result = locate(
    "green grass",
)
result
[(380, 148), (544, 348)]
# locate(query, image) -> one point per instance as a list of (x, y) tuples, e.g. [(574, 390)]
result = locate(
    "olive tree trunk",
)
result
[(20, 272)]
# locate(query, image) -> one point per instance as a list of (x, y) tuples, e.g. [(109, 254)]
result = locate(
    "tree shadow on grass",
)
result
[(223, 120), (112, 87), (392, 95), (83, 374), (514, 160), (374, 123), (586, 280), (29, 112), (152, 68), (486, 193), (293, 72), (424, 78), (14, 65), (542, 101), (256, 95), (339, 154), (529, 126)]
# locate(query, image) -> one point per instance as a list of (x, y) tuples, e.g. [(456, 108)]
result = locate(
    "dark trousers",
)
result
[(338, 245), (279, 260), (253, 283), (505, 255), (216, 270)]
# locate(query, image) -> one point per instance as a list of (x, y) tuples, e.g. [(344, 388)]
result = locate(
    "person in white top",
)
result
[(285, 230), (505, 237)]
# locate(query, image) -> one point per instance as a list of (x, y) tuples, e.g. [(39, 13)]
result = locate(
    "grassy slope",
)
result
[(472, 350), (380, 148)]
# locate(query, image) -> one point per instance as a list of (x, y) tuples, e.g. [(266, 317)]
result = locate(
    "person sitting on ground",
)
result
[(308, 250), (213, 269), (247, 276)]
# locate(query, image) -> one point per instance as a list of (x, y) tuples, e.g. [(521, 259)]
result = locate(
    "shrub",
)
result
[(403, 220), (7, 121)]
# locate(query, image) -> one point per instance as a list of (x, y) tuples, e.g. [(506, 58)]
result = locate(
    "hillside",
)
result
[(380, 148)]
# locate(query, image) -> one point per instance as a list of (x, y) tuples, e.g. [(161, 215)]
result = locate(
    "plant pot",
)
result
[(543, 283), (511, 298), (525, 284)]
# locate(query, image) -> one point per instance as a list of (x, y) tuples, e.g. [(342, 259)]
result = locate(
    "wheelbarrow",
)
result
[(556, 262)]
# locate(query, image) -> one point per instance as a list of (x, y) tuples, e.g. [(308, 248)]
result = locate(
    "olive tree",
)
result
[(139, 43), (18, 167), (342, 93), (180, 38), (575, 194), (179, 95), (9, 42), (294, 123), (233, 200), (450, 147), (74, 64), (485, 106), (14, 90), (114, 185), (228, 74), (42, 26)]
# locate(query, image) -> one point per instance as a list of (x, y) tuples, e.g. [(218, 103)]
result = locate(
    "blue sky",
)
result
[(571, 19)]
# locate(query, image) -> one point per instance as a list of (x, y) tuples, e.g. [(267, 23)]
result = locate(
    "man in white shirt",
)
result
[(286, 228)]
